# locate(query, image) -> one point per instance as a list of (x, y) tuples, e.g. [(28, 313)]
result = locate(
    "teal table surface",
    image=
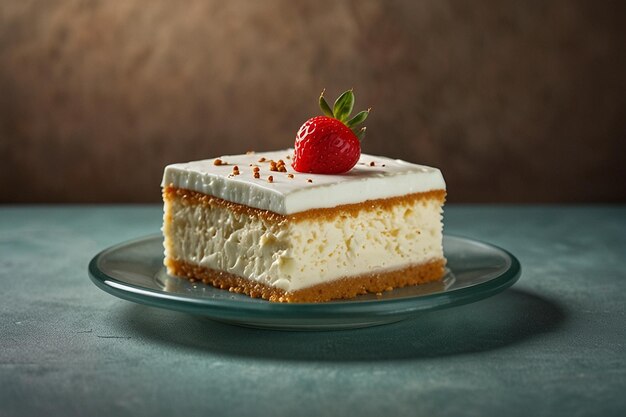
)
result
[(552, 345)]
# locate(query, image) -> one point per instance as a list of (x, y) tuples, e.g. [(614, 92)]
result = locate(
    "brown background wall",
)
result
[(517, 101)]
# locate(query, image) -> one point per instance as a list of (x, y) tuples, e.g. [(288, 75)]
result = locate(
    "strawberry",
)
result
[(330, 144)]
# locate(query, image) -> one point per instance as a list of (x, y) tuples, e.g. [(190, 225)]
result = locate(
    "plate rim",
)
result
[(342, 308)]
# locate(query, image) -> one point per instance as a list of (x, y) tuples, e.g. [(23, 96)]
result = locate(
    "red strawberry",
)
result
[(325, 145), (330, 144)]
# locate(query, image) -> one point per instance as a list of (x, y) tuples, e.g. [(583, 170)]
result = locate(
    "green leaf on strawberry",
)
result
[(360, 133), (325, 107), (344, 105), (358, 119)]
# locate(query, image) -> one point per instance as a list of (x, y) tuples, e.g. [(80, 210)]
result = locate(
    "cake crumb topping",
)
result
[(309, 180), (372, 163), (270, 179), (261, 159), (256, 174), (219, 162), (278, 166), (289, 175)]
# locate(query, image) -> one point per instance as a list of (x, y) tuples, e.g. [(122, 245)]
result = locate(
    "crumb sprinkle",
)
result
[(309, 180), (278, 166), (261, 159), (256, 174), (270, 179), (289, 175), (372, 163), (219, 162)]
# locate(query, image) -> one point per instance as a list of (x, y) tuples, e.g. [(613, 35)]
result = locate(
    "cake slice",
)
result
[(248, 224)]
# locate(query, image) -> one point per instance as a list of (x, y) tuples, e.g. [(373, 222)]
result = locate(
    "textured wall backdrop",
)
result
[(517, 101)]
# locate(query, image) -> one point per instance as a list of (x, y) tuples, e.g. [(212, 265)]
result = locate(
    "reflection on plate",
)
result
[(134, 271)]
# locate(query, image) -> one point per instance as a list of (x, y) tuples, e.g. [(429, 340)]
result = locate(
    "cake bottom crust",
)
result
[(347, 287)]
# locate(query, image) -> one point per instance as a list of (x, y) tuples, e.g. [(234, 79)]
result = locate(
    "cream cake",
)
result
[(248, 224)]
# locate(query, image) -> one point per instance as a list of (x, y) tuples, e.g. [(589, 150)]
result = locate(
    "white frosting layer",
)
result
[(387, 178)]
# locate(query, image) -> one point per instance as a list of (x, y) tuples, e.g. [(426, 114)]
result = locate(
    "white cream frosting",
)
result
[(386, 178)]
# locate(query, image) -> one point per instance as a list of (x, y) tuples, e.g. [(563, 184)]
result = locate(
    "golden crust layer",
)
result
[(194, 198), (348, 287)]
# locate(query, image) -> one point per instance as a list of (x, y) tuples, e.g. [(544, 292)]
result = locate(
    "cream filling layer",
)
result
[(295, 255)]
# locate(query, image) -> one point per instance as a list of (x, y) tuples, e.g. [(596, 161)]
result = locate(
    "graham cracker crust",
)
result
[(348, 287)]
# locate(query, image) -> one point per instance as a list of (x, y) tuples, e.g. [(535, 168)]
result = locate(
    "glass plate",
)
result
[(134, 271)]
